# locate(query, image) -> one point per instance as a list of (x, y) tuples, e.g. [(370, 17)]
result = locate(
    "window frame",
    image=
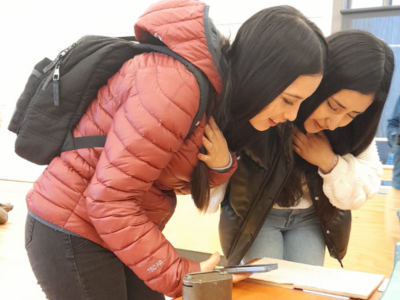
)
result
[(385, 3)]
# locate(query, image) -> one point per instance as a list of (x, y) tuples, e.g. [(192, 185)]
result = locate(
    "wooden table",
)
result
[(251, 291)]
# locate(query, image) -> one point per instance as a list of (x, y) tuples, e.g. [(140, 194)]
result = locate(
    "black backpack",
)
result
[(58, 93)]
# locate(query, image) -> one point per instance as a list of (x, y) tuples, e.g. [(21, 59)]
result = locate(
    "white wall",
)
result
[(33, 29), (229, 15)]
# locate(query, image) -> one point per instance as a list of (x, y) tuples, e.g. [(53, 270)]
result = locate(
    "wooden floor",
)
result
[(387, 173), (371, 246)]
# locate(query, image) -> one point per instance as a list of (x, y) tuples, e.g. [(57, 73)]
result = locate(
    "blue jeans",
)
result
[(290, 234), (74, 268)]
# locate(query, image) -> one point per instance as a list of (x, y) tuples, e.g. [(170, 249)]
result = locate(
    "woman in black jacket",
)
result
[(270, 211)]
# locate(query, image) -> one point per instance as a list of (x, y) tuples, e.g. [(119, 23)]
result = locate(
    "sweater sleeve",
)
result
[(354, 179), (150, 125), (216, 177)]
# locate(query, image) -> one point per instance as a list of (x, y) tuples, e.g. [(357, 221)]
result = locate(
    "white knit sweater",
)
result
[(354, 180), (349, 185)]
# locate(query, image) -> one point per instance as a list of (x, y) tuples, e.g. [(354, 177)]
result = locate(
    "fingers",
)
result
[(216, 148), (213, 125), (212, 130), (209, 147), (203, 157), (207, 144), (295, 129), (297, 134), (210, 263), (296, 141), (296, 149), (214, 259), (209, 133), (240, 277), (322, 135)]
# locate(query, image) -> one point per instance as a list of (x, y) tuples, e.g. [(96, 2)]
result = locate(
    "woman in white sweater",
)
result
[(336, 166)]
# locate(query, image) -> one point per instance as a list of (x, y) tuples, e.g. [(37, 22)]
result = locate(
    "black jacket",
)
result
[(263, 168)]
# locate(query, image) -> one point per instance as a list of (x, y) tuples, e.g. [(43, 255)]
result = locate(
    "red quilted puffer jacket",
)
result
[(122, 195)]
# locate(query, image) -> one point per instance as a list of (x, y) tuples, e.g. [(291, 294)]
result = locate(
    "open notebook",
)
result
[(331, 281)]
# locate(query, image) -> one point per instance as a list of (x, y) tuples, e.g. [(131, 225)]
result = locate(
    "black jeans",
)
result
[(68, 267)]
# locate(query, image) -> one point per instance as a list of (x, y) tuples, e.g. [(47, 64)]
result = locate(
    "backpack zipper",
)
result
[(56, 73), (56, 86), (59, 57)]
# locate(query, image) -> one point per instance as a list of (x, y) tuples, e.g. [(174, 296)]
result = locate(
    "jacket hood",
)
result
[(185, 28)]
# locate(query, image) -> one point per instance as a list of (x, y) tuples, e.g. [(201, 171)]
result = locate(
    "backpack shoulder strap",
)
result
[(72, 143)]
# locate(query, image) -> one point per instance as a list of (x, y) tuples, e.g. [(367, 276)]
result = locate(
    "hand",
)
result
[(217, 155), (240, 277), (210, 263), (314, 148)]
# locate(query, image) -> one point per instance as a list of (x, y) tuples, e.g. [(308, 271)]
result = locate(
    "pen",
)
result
[(324, 294)]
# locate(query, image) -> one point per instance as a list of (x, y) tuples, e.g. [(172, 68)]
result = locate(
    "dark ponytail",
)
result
[(200, 189), (200, 185)]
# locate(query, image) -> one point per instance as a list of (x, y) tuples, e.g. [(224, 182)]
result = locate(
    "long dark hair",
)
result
[(270, 50), (360, 62)]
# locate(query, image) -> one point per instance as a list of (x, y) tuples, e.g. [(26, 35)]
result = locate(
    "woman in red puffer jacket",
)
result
[(96, 215)]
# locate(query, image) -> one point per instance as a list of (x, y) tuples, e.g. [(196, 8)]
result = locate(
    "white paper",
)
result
[(337, 281), (383, 286)]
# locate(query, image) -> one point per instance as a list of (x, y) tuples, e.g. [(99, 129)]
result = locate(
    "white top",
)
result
[(353, 181)]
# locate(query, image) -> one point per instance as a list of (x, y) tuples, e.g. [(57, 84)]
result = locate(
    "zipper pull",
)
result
[(56, 86), (58, 58), (56, 74)]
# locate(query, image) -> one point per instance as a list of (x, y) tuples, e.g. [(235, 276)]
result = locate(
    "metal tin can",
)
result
[(213, 285)]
